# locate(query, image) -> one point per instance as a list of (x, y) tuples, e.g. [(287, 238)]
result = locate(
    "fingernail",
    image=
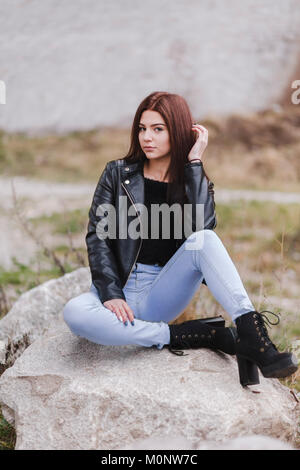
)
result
[(132, 323), (126, 323)]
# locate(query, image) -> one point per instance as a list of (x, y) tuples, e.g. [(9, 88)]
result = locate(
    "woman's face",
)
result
[(153, 133)]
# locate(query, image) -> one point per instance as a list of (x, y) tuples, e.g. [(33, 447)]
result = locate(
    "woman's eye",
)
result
[(159, 128)]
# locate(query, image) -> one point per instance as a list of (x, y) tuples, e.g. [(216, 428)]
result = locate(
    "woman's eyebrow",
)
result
[(157, 124)]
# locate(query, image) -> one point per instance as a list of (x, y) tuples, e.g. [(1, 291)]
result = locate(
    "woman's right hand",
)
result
[(121, 309)]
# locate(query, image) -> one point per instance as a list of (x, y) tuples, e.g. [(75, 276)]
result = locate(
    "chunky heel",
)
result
[(248, 372)]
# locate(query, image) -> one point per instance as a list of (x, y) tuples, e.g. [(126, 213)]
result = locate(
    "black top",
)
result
[(156, 250)]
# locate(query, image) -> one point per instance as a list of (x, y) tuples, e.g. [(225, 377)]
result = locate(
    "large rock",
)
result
[(65, 392), (255, 442)]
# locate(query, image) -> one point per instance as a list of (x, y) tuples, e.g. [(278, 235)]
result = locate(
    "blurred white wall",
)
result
[(76, 64)]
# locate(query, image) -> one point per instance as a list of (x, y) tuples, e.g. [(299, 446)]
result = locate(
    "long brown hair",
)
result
[(178, 118)]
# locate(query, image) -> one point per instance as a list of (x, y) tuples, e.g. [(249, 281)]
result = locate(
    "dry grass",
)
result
[(261, 150)]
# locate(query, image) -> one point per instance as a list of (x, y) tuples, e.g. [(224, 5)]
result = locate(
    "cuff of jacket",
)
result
[(106, 295), (196, 163)]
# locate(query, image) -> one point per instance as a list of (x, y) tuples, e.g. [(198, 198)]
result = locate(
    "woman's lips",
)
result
[(149, 148)]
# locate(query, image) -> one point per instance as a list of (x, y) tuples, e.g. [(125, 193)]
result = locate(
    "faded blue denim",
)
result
[(157, 295)]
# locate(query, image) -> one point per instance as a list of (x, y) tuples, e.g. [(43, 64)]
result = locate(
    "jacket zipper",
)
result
[(141, 231)]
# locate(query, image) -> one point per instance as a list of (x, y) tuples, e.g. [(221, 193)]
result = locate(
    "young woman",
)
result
[(140, 282)]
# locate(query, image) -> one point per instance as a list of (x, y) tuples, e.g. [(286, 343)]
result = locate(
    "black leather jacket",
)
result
[(112, 260)]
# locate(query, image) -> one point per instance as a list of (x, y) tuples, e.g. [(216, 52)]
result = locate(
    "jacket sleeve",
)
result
[(199, 190), (102, 260)]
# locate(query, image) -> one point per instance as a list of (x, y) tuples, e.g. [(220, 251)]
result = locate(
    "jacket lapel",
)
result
[(132, 180)]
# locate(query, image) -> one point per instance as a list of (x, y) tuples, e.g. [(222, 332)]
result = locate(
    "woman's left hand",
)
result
[(200, 144)]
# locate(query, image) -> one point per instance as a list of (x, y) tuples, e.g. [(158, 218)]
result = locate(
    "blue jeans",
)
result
[(157, 295)]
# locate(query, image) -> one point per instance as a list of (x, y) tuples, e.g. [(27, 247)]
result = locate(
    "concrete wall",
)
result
[(76, 64)]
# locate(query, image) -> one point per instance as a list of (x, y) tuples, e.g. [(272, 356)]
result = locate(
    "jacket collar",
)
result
[(132, 179), (129, 168)]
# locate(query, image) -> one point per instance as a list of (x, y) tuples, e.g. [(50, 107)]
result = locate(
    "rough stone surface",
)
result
[(76, 65), (65, 392), (255, 442), (32, 313)]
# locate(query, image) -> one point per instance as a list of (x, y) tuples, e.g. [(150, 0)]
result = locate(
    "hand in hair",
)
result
[(200, 144)]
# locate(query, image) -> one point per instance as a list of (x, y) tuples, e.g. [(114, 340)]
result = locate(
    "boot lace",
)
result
[(264, 323), (192, 343), (208, 339), (177, 352), (189, 340)]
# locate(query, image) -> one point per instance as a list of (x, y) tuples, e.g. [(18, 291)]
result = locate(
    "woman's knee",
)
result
[(198, 240), (73, 311)]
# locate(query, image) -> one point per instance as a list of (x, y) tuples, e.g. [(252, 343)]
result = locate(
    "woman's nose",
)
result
[(147, 135)]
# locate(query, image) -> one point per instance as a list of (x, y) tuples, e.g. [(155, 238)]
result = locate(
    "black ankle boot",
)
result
[(254, 348), (202, 333)]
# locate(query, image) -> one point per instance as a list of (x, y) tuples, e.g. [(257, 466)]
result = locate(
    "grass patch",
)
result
[(7, 431), (23, 277), (63, 223), (73, 157), (254, 215), (7, 435), (258, 151)]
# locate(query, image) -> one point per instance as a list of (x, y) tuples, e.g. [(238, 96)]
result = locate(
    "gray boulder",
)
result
[(65, 392), (255, 442)]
